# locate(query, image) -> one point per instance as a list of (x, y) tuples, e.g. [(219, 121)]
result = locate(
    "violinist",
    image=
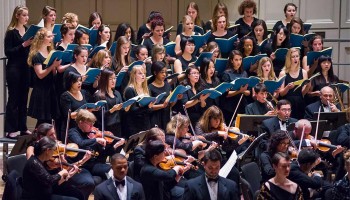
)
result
[(341, 188), (38, 183), (83, 136), (260, 106), (299, 173), (159, 184), (82, 180), (326, 102), (177, 130), (278, 142)]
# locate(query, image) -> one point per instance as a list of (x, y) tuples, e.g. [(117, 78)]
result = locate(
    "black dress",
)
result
[(112, 120), (149, 44), (137, 118), (142, 30), (17, 78), (228, 104), (87, 87), (228, 35), (68, 102), (296, 98), (185, 63), (43, 104), (160, 117)]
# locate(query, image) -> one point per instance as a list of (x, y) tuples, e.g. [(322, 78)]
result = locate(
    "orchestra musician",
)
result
[(260, 106)]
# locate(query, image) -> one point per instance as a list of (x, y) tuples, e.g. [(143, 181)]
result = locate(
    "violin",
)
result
[(325, 145), (108, 136), (56, 163), (234, 133), (71, 150), (199, 138)]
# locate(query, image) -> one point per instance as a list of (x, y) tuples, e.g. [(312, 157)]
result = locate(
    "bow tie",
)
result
[(117, 183), (213, 179)]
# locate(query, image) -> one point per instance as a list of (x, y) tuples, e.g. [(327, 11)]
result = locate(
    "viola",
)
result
[(108, 136), (71, 150), (57, 164)]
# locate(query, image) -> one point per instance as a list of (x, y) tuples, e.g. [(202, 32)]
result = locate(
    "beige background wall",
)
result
[(329, 16)]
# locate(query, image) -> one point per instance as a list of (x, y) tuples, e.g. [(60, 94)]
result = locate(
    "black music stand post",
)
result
[(252, 123), (334, 119)]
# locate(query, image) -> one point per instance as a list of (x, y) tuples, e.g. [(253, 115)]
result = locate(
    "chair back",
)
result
[(251, 173)]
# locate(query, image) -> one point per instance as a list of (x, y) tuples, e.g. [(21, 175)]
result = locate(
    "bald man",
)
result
[(326, 103)]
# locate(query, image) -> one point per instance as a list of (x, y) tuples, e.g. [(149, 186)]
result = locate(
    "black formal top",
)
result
[(344, 136), (108, 191), (142, 30), (187, 146), (160, 117), (16, 54), (43, 103), (295, 97), (229, 103), (197, 189), (139, 161), (88, 87), (137, 118), (149, 44), (317, 84), (68, 102), (110, 119), (157, 183), (37, 181), (59, 80), (277, 193), (304, 181), (185, 63), (311, 109), (267, 171), (256, 108), (244, 28)]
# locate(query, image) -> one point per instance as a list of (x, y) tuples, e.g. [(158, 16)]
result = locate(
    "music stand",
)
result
[(133, 141), (21, 145), (334, 119), (250, 148), (252, 123)]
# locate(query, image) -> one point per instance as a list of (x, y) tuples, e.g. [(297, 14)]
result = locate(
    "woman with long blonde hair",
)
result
[(294, 72), (43, 104), (17, 73), (138, 117)]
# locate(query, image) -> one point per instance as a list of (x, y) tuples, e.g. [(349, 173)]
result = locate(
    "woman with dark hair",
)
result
[(95, 20), (81, 37), (192, 10), (279, 40), (327, 77), (104, 36), (248, 9), (181, 64), (161, 112), (157, 30), (141, 53), (234, 70), (248, 47), (157, 183), (280, 187), (144, 31), (315, 44), (259, 31), (37, 181), (209, 79), (278, 142), (219, 9), (124, 29), (193, 106), (290, 10), (112, 115)]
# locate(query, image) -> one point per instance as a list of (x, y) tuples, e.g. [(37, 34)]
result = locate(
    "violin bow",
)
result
[(318, 122), (103, 123), (57, 148), (302, 136), (192, 129), (234, 113), (67, 128)]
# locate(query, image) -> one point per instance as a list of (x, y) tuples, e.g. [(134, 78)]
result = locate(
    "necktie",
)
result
[(122, 182)]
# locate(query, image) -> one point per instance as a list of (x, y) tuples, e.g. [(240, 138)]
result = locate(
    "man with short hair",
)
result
[(119, 186), (210, 185), (260, 105)]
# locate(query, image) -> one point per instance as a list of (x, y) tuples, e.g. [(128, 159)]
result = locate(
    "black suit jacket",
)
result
[(197, 189), (107, 191), (271, 125), (313, 108)]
